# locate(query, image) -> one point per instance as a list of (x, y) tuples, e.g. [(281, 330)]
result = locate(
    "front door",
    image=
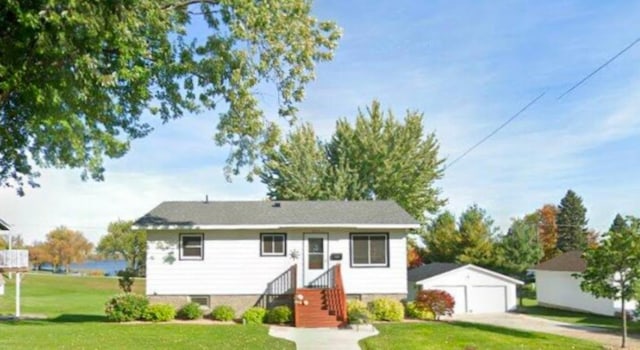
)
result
[(315, 256)]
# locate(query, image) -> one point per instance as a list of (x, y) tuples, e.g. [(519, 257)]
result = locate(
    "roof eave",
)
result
[(277, 227)]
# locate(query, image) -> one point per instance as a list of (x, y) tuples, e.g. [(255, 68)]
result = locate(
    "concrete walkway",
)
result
[(323, 338), (537, 324)]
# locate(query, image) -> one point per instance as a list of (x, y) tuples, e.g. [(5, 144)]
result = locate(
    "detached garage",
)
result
[(475, 289)]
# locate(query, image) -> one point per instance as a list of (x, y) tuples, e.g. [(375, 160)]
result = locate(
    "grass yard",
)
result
[(75, 310), (468, 336), (531, 307)]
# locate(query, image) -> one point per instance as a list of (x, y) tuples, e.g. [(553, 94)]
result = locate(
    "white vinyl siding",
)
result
[(369, 249), (232, 264)]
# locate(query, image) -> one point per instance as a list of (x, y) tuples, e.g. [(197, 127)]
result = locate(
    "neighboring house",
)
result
[(557, 288), (265, 253), (474, 289)]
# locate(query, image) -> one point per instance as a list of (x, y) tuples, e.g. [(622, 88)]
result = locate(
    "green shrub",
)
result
[(412, 311), (159, 313), (126, 307), (386, 309), (357, 312), (190, 311), (279, 315), (223, 313), (126, 279), (254, 315)]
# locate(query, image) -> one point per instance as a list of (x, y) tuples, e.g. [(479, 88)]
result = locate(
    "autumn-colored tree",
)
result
[(38, 255), (548, 230), (66, 246), (16, 242), (414, 254)]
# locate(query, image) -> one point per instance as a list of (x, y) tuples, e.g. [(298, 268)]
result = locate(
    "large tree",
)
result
[(477, 237), (548, 230), (378, 157), (520, 248), (123, 242), (619, 224), (442, 239), (65, 246), (572, 223), (78, 79), (613, 268)]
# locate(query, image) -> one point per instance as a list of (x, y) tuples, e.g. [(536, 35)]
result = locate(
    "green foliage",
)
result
[(76, 77), (386, 309), (254, 315), (223, 313), (438, 302), (572, 223), (190, 311), (125, 279), (413, 311), (126, 307), (619, 224), (378, 157), (520, 248), (613, 268), (442, 239), (279, 315), (358, 312), (159, 313), (121, 242)]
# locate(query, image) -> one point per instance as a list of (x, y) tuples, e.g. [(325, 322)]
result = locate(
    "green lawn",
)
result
[(530, 307), (465, 336), (75, 310)]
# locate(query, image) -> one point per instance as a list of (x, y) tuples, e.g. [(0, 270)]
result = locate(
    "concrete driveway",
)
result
[(537, 324)]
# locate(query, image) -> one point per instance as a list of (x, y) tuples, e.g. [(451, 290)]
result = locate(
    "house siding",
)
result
[(232, 264), (561, 290)]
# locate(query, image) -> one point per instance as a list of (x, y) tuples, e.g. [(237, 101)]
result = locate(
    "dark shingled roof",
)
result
[(3, 225), (430, 270), (570, 261), (277, 213)]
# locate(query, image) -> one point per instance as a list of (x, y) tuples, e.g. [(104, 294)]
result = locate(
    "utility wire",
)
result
[(599, 68), (531, 103)]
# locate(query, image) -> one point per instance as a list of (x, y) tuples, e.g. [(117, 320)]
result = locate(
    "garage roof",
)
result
[(433, 270), (571, 261), (430, 270)]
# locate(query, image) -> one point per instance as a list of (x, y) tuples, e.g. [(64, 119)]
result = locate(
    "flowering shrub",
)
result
[(437, 301)]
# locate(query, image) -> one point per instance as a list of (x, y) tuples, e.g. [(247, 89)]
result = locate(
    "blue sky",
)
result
[(468, 66)]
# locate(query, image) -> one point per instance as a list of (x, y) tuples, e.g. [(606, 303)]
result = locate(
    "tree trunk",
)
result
[(624, 325)]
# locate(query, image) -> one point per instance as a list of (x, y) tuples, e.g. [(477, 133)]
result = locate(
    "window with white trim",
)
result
[(273, 244), (191, 246), (369, 249)]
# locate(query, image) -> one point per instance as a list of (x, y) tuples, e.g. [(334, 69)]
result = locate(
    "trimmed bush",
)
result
[(412, 311), (223, 313), (159, 313), (386, 309), (190, 311), (357, 312), (255, 315), (437, 301), (279, 315), (126, 307)]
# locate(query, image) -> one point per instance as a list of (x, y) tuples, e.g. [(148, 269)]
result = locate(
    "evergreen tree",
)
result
[(442, 239), (619, 224), (572, 223), (520, 248), (476, 237)]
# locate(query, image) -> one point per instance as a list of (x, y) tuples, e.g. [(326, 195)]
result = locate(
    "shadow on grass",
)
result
[(64, 318), (495, 329)]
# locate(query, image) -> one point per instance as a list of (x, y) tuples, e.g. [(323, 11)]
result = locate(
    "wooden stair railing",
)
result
[(323, 303)]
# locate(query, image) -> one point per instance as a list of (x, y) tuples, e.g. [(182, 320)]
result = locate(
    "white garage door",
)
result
[(459, 295), (486, 299)]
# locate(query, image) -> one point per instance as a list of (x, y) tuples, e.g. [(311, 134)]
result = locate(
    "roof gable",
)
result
[(442, 269), (571, 261), (264, 214)]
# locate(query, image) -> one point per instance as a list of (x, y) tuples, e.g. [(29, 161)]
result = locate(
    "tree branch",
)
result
[(187, 3)]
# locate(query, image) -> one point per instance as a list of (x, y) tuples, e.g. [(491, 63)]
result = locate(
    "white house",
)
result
[(262, 253), (474, 289), (557, 288)]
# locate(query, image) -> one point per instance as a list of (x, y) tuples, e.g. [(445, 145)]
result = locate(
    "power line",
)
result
[(531, 103), (599, 68)]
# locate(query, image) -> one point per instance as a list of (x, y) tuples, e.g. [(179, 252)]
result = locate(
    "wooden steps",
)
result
[(314, 311)]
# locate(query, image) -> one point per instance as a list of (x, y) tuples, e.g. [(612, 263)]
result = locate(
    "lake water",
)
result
[(109, 267)]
